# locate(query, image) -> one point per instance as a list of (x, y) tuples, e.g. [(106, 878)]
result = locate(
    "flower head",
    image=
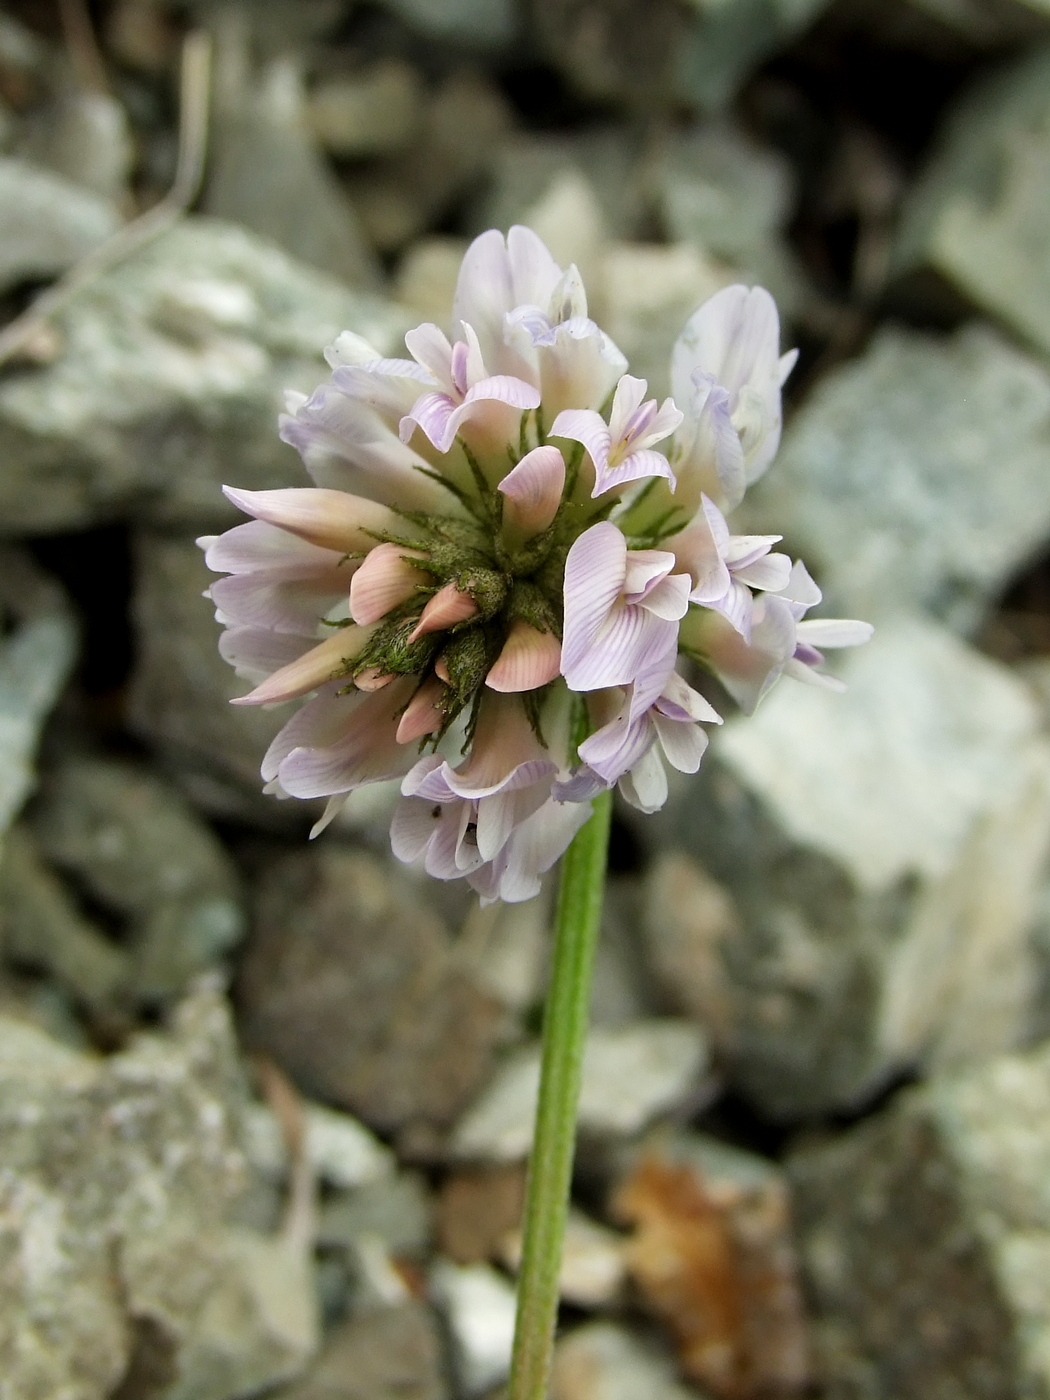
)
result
[(507, 551)]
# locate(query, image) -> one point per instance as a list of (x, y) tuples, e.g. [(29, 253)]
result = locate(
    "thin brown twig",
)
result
[(299, 1225), (189, 170), (82, 45)]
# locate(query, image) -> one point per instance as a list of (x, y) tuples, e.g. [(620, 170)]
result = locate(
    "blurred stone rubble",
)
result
[(265, 1105)]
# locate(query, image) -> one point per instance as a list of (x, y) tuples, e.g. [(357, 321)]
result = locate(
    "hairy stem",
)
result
[(550, 1167)]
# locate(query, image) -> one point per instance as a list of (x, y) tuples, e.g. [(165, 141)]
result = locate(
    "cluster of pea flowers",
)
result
[(507, 549)]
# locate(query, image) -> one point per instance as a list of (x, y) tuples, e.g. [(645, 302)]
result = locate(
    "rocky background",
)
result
[(264, 1105)]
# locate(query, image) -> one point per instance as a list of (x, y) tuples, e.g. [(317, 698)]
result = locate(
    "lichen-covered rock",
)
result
[(389, 1353), (884, 853), (46, 223), (169, 382), (137, 847), (36, 657), (178, 699), (979, 213), (885, 484), (120, 1254), (926, 1235), (350, 982)]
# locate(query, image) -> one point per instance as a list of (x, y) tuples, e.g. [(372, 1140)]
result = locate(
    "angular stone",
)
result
[(178, 699), (135, 844), (46, 223), (342, 1151), (884, 849), (593, 1261), (978, 214), (369, 112), (41, 927), (631, 1074), (478, 1304), (36, 657), (121, 1256), (171, 377), (730, 39), (885, 483), (476, 1209), (606, 1361), (266, 170), (732, 199), (712, 1257), (393, 1209), (392, 1353), (926, 1236), (350, 983), (83, 135)]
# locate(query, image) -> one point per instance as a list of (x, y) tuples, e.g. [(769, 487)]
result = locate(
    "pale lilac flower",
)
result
[(726, 376), (724, 567), (462, 579), (621, 450), (622, 609)]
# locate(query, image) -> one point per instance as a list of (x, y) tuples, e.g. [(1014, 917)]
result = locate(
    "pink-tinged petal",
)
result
[(255, 653), (373, 678), (633, 468), (737, 607), (503, 388), (431, 348), (536, 844), (534, 275), (699, 550), (532, 491), (366, 752), (616, 747), (746, 669), (627, 400), (499, 814), (412, 827), (771, 573), (799, 671), (669, 598), (680, 701), (441, 670), (329, 519), (435, 414), (484, 291), (595, 569), (644, 569), (420, 779), (321, 663), (578, 367), (474, 371), (801, 591), (666, 420), (448, 607), (278, 603), (630, 641), (742, 550), (683, 744), (384, 579), (423, 714), (505, 754), (581, 785), (320, 721), (332, 808), (349, 446), (834, 632), (645, 786), (390, 387), (585, 426), (529, 659), (257, 546)]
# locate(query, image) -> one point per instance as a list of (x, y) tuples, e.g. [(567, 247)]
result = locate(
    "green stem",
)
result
[(576, 924)]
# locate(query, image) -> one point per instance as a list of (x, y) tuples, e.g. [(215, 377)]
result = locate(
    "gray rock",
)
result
[(392, 1353), (46, 222), (884, 483), (83, 135), (712, 1258), (729, 40), (341, 1151), (121, 1256), (607, 1361), (36, 657), (631, 1074), (884, 849), (732, 198), (372, 111), (41, 927), (479, 1305), (926, 1234), (139, 849), (493, 23), (393, 1209), (350, 983), (169, 383), (978, 214), (178, 700), (267, 172)]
